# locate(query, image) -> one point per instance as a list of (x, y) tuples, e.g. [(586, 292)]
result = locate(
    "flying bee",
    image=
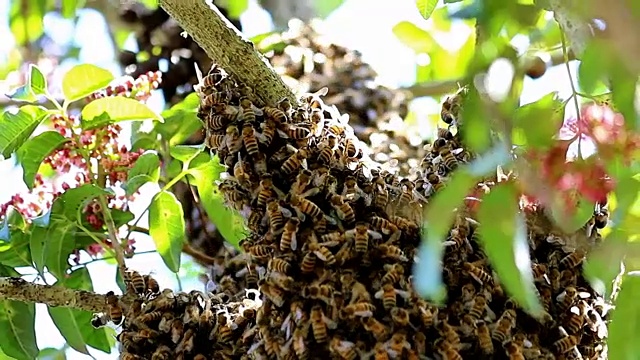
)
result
[(233, 139), (272, 292), (343, 209), (360, 235), (451, 107), (134, 281), (359, 309), (572, 260), (386, 227), (392, 252), (114, 308), (477, 273), (249, 139), (288, 240), (375, 327), (304, 207), (320, 324), (388, 295)]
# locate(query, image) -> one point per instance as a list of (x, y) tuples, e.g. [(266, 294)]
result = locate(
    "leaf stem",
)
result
[(95, 238), (113, 234), (573, 87)]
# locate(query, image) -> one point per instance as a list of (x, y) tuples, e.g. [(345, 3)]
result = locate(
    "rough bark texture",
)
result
[(210, 29), (22, 290)]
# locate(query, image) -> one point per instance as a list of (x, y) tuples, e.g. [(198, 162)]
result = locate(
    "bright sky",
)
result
[(371, 34)]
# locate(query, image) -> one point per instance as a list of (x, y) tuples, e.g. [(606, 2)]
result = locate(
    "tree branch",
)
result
[(21, 290), (227, 47), (438, 88)]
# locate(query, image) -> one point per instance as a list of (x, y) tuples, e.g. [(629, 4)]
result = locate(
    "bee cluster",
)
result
[(308, 62), (159, 39)]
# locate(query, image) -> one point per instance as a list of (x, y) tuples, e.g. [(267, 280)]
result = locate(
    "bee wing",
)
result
[(286, 212), (379, 294)]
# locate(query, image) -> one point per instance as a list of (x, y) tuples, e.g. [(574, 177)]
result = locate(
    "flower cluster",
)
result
[(139, 88), (36, 202)]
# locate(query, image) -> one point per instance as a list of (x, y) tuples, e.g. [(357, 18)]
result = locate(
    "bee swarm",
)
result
[(326, 269)]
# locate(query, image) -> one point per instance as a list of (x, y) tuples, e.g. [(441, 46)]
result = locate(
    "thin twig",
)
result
[(573, 86), (113, 235), (227, 47)]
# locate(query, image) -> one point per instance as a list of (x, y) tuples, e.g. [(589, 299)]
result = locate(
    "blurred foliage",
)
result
[(493, 126)]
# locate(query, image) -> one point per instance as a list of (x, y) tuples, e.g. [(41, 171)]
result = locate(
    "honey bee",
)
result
[(388, 294), (322, 292), (446, 350), (351, 150), (420, 342), (135, 281), (601, 218), (214, 141), (261, 251), (451, 107), (448, 332), (514, 351), (478, 273), (320, 324), (249, 139), (566, 343), (574, 321), (273, 293), (114, 308), (266, 190), (313, 99), (345, 349), (233, 139), (99, 320), (288, 240), (129, 356), (304, 207), (269, 128), (380, 352), (317, 122), (386, 227), (375, 327), (448, 159), (321, 252), (215, 98), (308, 263), (276, 114), (303, 180), (187, 342), (295, 161), (572, 260), (217, 122), (394, 274), (435, 181), (343, 209), (359, 309), (566, 298), (360, 235), (351, 191), (327, 150), (400, 317), (392, 252), (502, 331), (163, 352), (276, 214), (484, 337), (479, 306)]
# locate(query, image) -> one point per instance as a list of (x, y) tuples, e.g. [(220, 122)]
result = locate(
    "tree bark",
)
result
[(22, 290), (227, 47)]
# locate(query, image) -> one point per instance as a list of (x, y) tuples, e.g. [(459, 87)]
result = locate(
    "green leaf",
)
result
[(324, 8), (52, 354), (594, 67), (75, 325), (71, 204), (17, 325), (37, 81), (602, 267), (13, 220), (540, 120), (625, 320), (15, 128), (37, 244), (16, 253), (121, 217), (110, 110), (451, 1), (439, 216), (567, 221), (146, 169), (185, 153), (228, 221), (26, 20), (426, 7), (69, 8), (35, 150), (23, 93), (503, 234), (82, 80), (179, 126), (167, 228), (120, 281), (59, 244), (417, 39)]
